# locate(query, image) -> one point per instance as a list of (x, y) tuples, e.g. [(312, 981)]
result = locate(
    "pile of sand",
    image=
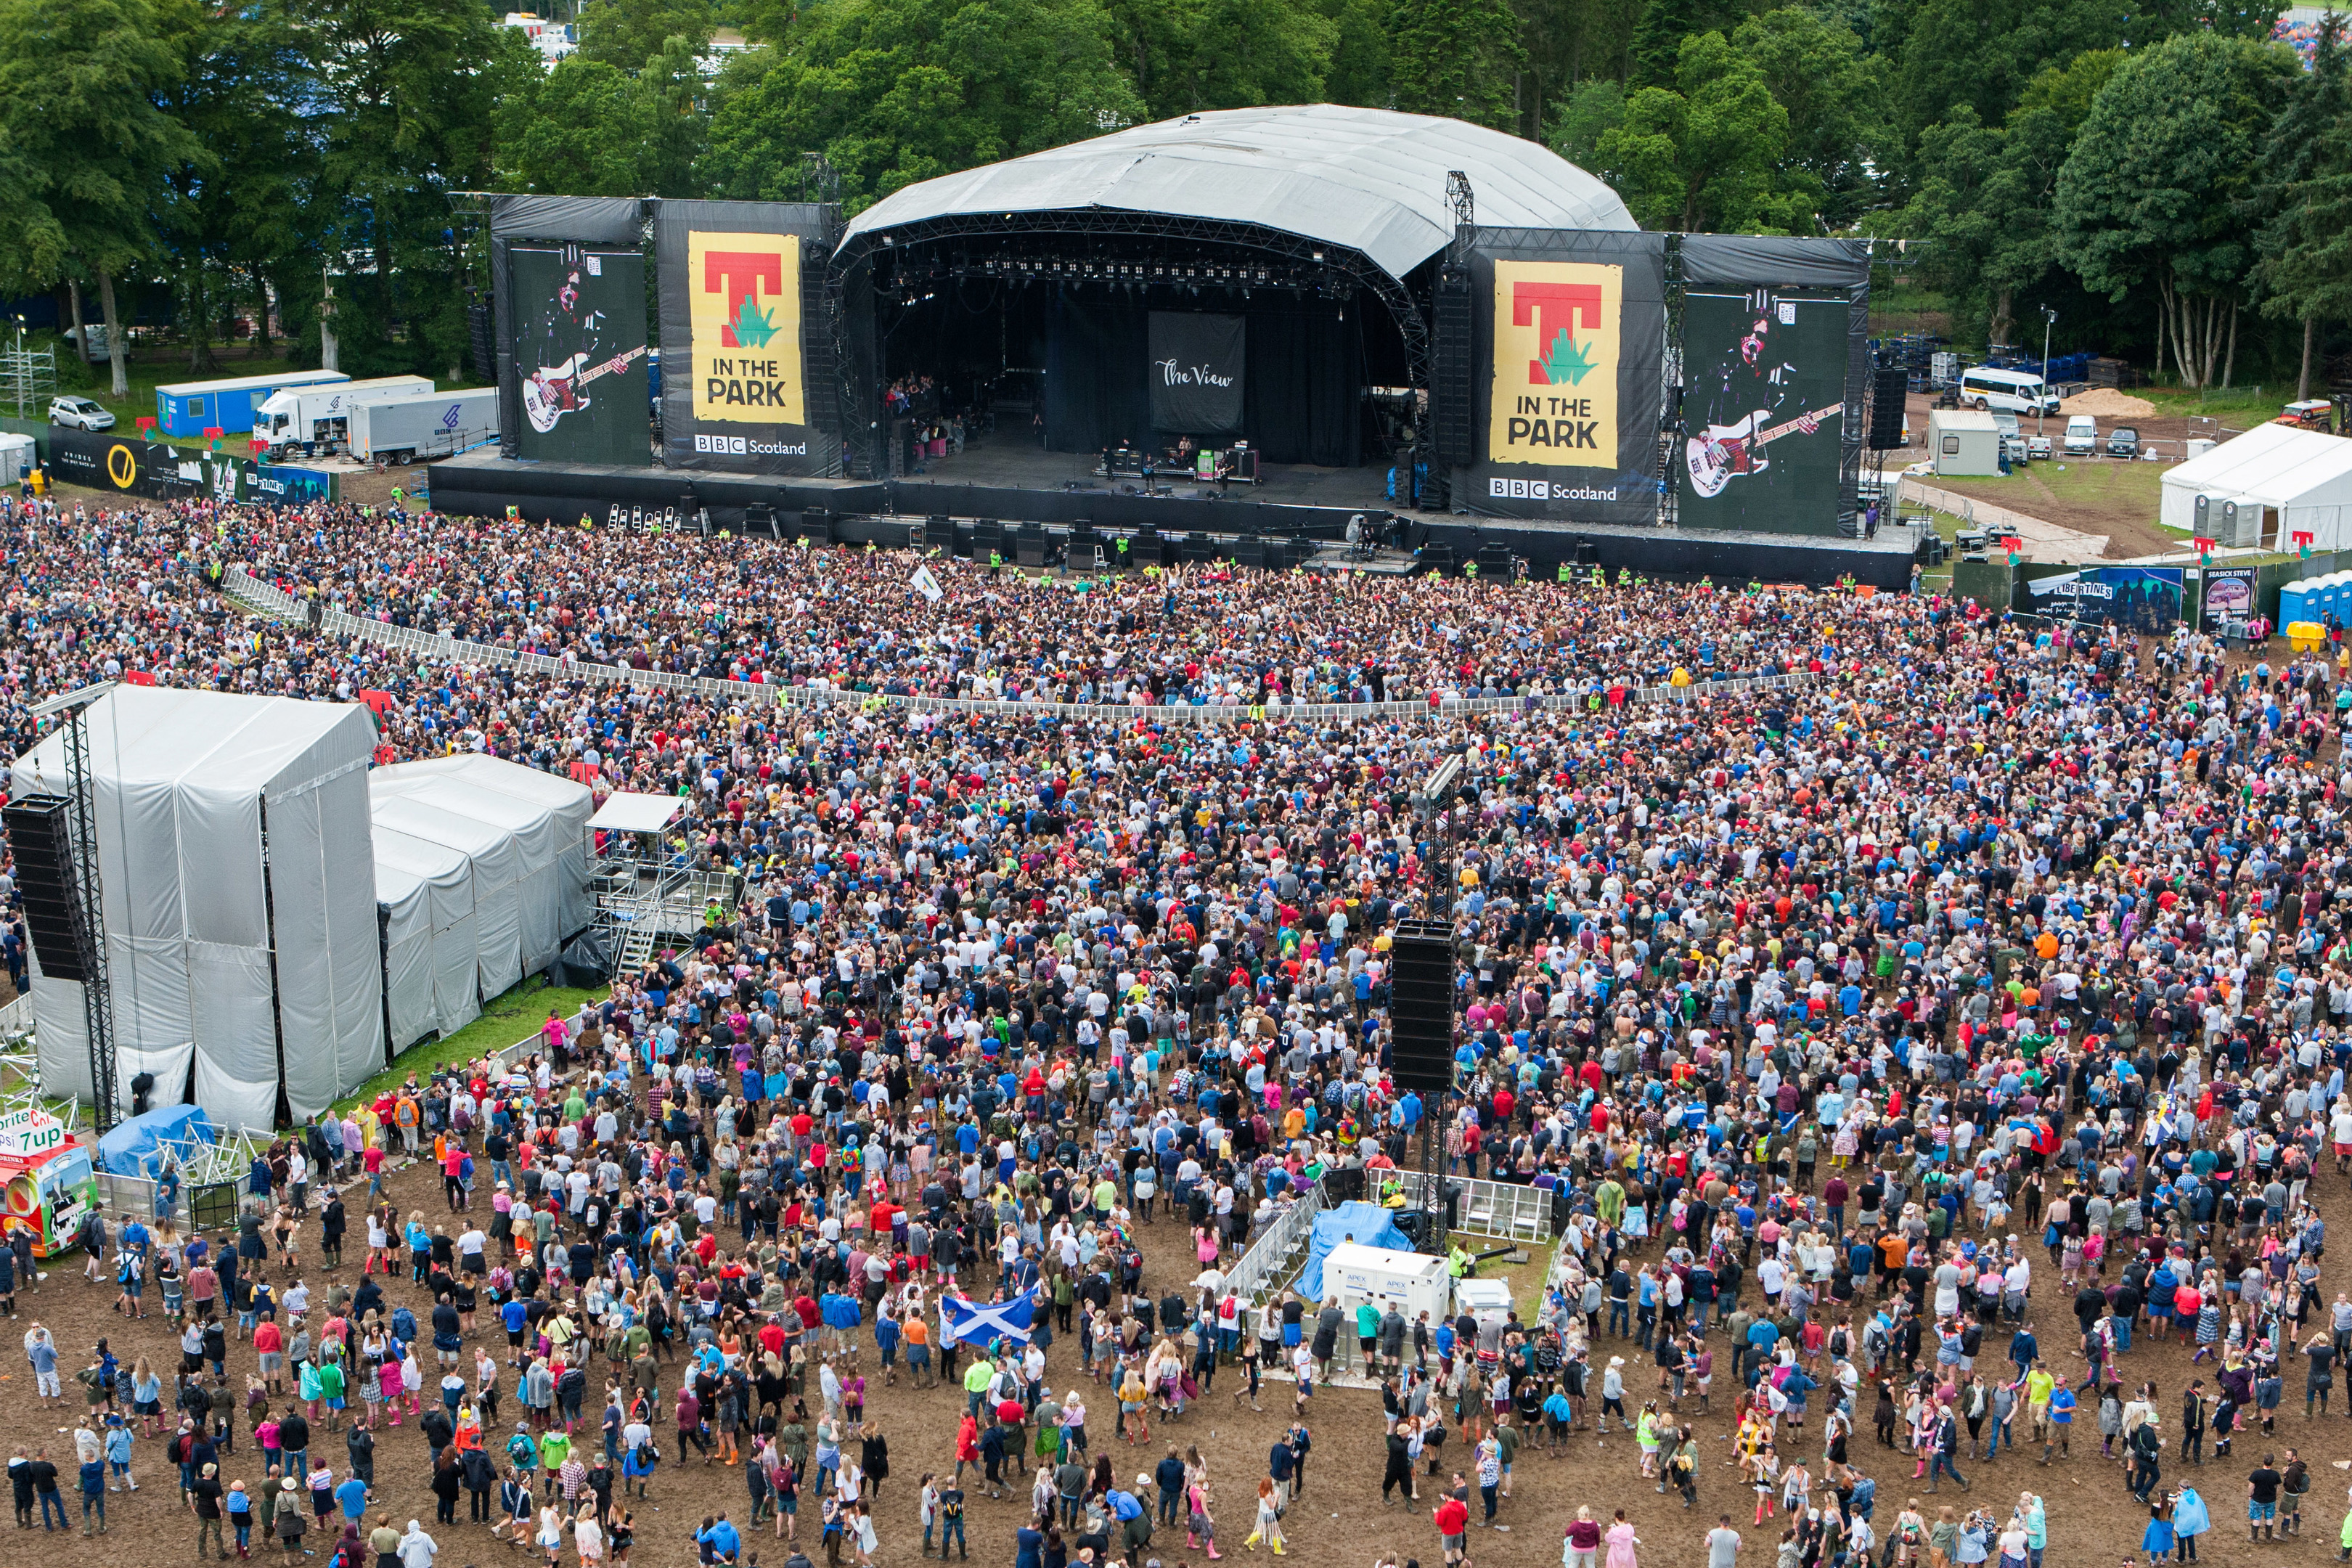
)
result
[(2108, 403)]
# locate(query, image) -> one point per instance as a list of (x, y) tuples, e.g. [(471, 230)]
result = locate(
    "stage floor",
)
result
[(1001, 463)]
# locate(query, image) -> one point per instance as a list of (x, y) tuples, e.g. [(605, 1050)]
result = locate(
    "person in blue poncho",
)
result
[(2189, 1521)]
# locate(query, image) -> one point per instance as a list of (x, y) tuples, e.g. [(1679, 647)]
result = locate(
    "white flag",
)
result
[(923, 582)]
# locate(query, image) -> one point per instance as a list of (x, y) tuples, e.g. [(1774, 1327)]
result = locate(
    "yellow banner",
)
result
[(744, 291), (1556, 329)]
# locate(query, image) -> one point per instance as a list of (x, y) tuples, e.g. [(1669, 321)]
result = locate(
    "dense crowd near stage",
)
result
[(1934, 1037)]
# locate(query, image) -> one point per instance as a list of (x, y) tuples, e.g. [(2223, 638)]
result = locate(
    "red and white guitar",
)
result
[(551, 393), (1721, 453)]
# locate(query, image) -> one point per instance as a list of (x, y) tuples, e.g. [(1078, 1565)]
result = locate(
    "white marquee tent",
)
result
[(255, 967), (482, 870), (2298, 480)]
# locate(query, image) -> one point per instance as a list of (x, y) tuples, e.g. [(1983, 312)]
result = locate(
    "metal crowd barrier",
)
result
[(278, 604)]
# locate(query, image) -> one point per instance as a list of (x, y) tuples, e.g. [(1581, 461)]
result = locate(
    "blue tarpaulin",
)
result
[(135, 1148), (1367, 1224)]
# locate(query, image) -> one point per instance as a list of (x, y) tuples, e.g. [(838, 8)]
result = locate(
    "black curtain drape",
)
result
[(1095, 355), (1301, 401), (1300, 398)]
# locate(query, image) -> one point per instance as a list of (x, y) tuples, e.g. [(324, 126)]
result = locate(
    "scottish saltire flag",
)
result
[(978, 1322)]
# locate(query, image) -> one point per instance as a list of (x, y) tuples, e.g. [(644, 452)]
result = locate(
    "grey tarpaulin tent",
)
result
[(187, 785), (430, 982), (520, 834)]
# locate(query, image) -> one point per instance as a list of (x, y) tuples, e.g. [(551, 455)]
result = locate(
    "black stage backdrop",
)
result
[(1300, 383), (1197, 372)]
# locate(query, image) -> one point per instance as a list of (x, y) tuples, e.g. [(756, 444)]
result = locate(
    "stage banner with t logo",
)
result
[(1558, 335), (737, 281), (1567, 327)]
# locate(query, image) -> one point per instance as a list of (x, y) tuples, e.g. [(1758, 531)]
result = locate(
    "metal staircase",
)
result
[(639, 904)]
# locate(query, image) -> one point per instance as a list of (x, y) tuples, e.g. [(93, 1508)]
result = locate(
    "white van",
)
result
[(2015, 391), (2081, 435)]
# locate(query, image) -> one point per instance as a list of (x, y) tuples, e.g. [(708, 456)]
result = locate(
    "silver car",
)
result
[(79, 414)]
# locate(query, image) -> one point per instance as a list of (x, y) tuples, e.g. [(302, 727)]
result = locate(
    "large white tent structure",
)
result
[(482, 870), (2285, 481), (239, 897)]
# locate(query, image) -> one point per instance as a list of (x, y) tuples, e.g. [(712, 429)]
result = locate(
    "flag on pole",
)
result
[(978, 1322), (926, 585)]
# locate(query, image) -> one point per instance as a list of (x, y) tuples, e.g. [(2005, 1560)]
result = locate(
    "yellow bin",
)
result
[(2304, 637)]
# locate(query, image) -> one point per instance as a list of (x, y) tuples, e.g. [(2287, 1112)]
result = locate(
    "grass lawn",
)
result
[(2041, 490), (505, 1019)]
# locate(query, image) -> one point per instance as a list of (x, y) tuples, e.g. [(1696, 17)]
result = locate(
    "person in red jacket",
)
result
[(1453, 1521)]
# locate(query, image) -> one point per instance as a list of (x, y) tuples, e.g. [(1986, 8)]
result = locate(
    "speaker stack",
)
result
[(1421, 1006), (816, 525), (1891, 386), (42, 843)]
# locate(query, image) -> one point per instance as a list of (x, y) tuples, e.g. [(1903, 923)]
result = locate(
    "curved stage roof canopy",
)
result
[(1371, 180)]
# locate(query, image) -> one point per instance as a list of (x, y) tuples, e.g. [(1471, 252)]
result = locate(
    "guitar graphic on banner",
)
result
[(1721, 453), (549, 393)]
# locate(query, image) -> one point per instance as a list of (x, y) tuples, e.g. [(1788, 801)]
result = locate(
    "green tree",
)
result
[(2303, 204), (584, 131), (1191, 55), (2148, 195), (411, 89), (1579, 121), (78, 84), (240, 214), (1568, 43), (1358, 71), (1982, 194), (1814, 70), (1982, 53), (893, 91), (1456, 58), (1706, 156), (624, 34), (1655, 51)]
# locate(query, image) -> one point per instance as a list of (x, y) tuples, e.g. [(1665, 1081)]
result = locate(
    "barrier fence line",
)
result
[(270, 600)]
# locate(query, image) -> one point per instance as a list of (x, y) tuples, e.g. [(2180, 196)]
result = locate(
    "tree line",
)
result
[(2171, 179)]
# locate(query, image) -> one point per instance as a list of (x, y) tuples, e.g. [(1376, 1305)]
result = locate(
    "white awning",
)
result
[(628, 812)]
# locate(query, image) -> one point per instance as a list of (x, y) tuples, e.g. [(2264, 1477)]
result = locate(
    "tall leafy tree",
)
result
[(893, 91), (407, 91), (1191, 55), (1359, 72), (1707, 155), (1655, 50), (624, 34), (241, 211), (79, 85), (1579, 121), (1981, 195), (1982, 53), (1457, 57), (2303, 202), (2147, 197), (1814, 70)]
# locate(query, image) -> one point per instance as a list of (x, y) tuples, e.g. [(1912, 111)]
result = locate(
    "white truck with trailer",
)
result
[(312, 419), (403, 429)]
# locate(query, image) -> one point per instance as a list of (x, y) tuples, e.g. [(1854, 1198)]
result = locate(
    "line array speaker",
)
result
[(39, 837), (1421, 1006)]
